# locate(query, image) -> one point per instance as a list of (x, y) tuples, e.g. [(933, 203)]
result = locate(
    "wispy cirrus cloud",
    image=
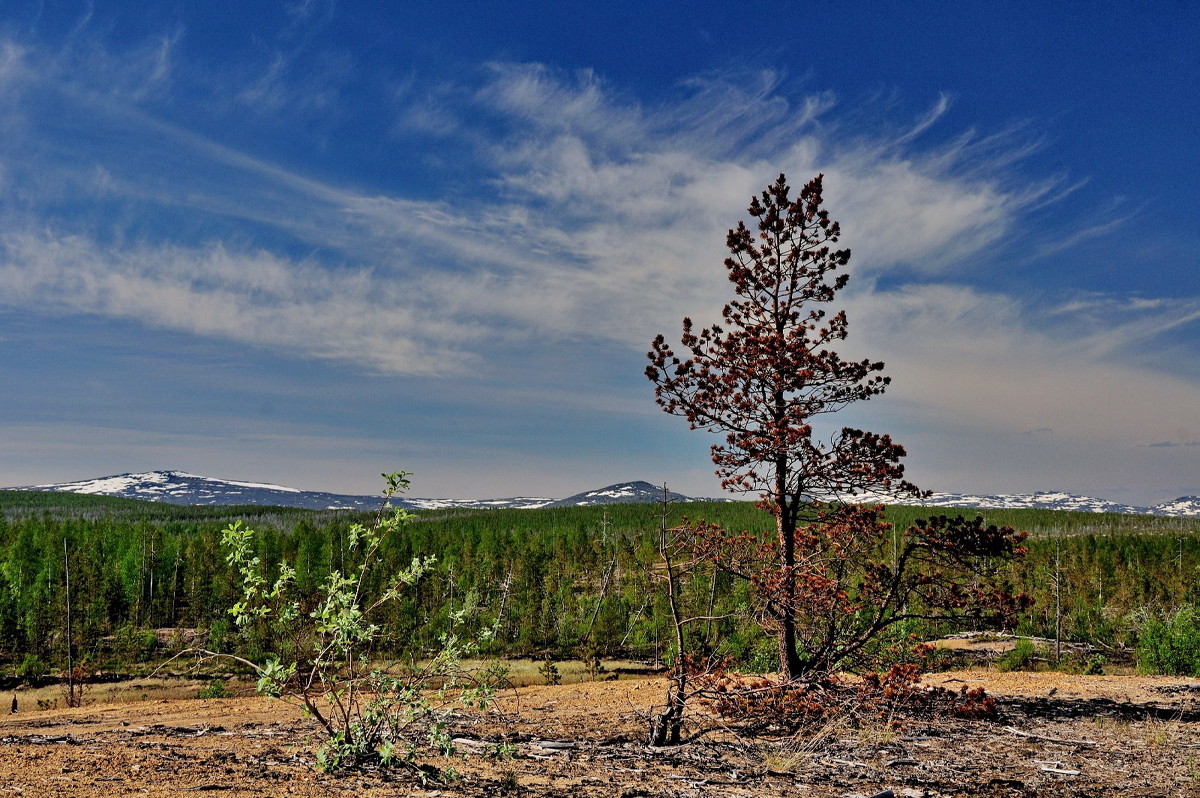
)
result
[(984, 358), (1105, 326), (598, 212), (641, 195), (252, 297)]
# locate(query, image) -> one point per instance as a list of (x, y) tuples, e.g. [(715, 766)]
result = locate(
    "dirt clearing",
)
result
[(1059, 735)]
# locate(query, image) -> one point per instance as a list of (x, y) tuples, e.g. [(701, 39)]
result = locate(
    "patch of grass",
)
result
[(1162, 734), (801, 749), (879, 733)]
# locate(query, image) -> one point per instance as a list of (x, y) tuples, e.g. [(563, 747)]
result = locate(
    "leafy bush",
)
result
[(369, 715), (763, 657), (1171, 646)]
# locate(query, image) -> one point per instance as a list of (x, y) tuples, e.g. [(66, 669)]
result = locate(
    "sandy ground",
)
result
[(1058, 735)]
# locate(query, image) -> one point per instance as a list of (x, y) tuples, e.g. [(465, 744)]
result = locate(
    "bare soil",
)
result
[(1058, 735)]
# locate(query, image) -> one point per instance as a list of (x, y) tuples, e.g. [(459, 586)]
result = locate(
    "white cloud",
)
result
[(975, 358), (142, 72), (620, 210), (1105, 326), (286, 83), (11, 63), (252, 297)]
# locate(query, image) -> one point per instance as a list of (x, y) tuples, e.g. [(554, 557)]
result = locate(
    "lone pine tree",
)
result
[(761, 378)]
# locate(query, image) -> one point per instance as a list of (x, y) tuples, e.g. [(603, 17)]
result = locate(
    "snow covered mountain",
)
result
[(178, 487), (1051, 500), (622, 493), (1184, 505), (1041, 500)]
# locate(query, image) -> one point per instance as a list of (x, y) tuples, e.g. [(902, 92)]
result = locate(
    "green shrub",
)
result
[(550, 672), (219, 635), (216, 689), (134, 644), (32, 668), (764, 656), (1022, 657), (1083, 665), (1171, 646)]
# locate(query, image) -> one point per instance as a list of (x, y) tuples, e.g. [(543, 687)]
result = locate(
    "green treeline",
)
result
[(554, 582)]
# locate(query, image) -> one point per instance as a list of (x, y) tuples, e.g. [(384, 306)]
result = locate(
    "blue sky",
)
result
[(306, 242)]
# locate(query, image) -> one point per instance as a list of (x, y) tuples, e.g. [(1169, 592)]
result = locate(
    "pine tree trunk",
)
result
[(789, 658)]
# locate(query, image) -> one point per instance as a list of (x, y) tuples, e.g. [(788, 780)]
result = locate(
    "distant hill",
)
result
[(1051, 500), (622, 493), (178, 487)]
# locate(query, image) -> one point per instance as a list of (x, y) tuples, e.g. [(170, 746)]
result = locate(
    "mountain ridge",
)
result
[(181, 487), (184, 488)]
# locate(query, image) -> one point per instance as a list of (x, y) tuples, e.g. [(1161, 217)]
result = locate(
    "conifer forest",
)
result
[(140, 581)]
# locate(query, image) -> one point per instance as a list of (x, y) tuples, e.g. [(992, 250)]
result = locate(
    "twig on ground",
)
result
[(1046, 738)]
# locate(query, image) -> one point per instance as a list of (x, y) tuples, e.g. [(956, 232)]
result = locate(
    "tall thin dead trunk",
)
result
[(666, 728), (603, 592), (73, 696)]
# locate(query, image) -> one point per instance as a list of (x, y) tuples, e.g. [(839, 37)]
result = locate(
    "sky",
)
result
[(311, 241)]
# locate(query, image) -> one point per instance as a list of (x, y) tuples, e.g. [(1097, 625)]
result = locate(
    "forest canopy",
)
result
[(538, 574)]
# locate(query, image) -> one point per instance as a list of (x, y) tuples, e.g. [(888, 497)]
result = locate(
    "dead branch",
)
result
[(1046, 738)]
